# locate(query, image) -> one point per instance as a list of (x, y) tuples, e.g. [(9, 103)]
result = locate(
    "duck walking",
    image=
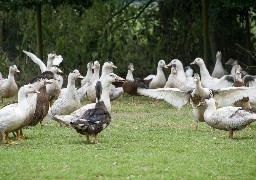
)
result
[(227, 118)]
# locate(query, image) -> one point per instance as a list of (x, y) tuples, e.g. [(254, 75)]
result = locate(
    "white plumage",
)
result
[(158, 80), (68, 100), (178, 78), (13, 116), (8, 87), (227, 118), (53, 59), (210, 82), (218, 70)]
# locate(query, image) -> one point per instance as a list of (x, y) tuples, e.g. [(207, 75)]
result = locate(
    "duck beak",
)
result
[(114, 66), (119, 79), (36, 91), (168, 65), (17, 70), (60, 71), (48, 81), (80, 77), (193, 63), (165, 66)]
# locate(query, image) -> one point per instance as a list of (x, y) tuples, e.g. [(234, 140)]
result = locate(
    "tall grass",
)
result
[(147, 139)]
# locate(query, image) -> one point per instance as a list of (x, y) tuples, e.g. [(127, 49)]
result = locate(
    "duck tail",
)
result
[(66, 119)]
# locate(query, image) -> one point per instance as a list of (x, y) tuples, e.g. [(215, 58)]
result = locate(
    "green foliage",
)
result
[(142, 33), (147, 139)]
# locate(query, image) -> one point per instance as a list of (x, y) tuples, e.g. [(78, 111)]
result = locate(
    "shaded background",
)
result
[(142, 32)]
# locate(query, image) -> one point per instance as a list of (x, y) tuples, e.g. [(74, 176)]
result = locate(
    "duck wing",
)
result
[(228, 96), (249, 80), (57, 60), (36, 60), (225, 81), (149, 77), (97, 114), (173, 96)]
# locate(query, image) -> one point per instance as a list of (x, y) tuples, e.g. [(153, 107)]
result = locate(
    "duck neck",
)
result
[(204, 71), (22, 100), (159, 71), (105, 72), (218, 64), (89, 72), (105, 95), (49, 64), (129, 75), (95, 75), (11, 77), (71, 84), (198, 88)]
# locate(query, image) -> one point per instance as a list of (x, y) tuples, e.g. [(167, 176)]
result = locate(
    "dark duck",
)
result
[(42, 104), (93, 121)]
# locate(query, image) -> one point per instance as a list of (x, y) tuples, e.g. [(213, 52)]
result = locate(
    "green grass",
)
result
[(147, 139)]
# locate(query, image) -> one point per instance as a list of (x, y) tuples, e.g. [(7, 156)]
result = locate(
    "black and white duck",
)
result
[(93, 121)]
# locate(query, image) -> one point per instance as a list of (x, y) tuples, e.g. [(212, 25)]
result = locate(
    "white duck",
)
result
[(12, 117), (53, 59), (178, 98), (89, 73), (105, 82), (233, 63), (88, 90), (189, 72), (68, 100), (210, 82), (129, 75), (178, 78), (158, 80), (227, 118), (218, 70), (37, 83), (8, 87)]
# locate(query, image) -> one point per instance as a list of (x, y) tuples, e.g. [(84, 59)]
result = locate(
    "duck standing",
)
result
[(68, 101), (8, 87), (13, 116), (227, 118), (93, 121)]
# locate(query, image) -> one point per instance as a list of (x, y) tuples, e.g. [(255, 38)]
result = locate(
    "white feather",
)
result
[(174, 96), (36, 60)]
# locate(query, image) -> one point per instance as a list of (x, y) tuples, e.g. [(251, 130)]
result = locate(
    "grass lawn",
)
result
[(147, 139)]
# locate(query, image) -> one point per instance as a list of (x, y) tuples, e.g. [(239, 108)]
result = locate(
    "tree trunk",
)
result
[(1, 32), (205, 5), (39, 32)]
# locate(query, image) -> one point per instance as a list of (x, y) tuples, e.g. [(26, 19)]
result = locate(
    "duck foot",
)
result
[(231, 132), (8, 141)]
